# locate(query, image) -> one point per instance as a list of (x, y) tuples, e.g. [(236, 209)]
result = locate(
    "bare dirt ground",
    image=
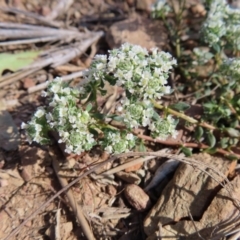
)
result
[(72, 33)]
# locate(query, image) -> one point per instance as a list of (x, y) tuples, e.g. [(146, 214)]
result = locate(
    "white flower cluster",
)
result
[(222, 24), (137, 114), (118, 142), (160, 8), (142, 75), (142, 114), (144, 78), (202, 56), (133, 68), (230, 68), (164, 128), (35, 128), (64, 116)]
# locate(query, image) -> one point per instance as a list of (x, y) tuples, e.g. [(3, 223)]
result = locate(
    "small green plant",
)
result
[(221, 28), (216, 88), (143, 76)]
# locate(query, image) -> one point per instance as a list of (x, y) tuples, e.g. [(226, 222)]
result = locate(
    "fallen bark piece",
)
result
[(137, 197), (190, 191)]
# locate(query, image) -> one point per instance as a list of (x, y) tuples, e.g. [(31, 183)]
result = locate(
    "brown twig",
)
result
[(75, 207), (183, 116), (190, 145), (64, 78), (31, 15)]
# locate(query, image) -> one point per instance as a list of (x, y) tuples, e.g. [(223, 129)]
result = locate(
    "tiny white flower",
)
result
[(39, 113), (37, 139), (49, 117), (72, 119), (24, 125), (38, 127), (55, 88), (109, 149), (119, 108), (44, 94), (69, 149), (130, 136), (63, 112), (146, 121)]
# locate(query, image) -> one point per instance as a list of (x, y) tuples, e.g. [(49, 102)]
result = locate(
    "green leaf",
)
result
[(102, 91), (112, 80), (93, 131), (198, 133), (233, 141), (89, 107), (211, 139), (156, 116), (180, 106), (187, 151), (232, 157), (16, 61), (208, 55), (102, 83), (224, 142), (216, 47), (98, 116), (234, 123), (117, 118), (92, 96), (232, 132), (141, 147), (210, 150)]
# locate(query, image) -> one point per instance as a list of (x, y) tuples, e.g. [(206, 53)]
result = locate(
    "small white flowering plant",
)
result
[(141, 74), (160, 9), (222, 26)]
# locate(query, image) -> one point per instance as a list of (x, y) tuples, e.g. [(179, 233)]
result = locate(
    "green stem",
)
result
[(227, 102), (175, 113), (183, 116), (178, 47)]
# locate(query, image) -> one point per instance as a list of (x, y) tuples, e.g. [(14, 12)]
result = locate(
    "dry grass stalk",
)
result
[(53, 58), (32, 17), (75, 207)]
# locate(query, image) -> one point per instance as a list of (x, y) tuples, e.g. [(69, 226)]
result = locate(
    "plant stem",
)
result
[(183, 116), (231, 107), (190, 145)]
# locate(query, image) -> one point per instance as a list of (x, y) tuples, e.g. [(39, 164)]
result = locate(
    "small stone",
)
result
[(144, 5), (129, 177), (111, 190), (28, 82), (137, 197), (199, 10), (25, 174), (9, 136), (134, 167), (3, 182), (137, 30)]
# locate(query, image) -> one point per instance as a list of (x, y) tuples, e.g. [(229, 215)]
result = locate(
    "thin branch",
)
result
[(64, 78), (31, 15), (75, 207)]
